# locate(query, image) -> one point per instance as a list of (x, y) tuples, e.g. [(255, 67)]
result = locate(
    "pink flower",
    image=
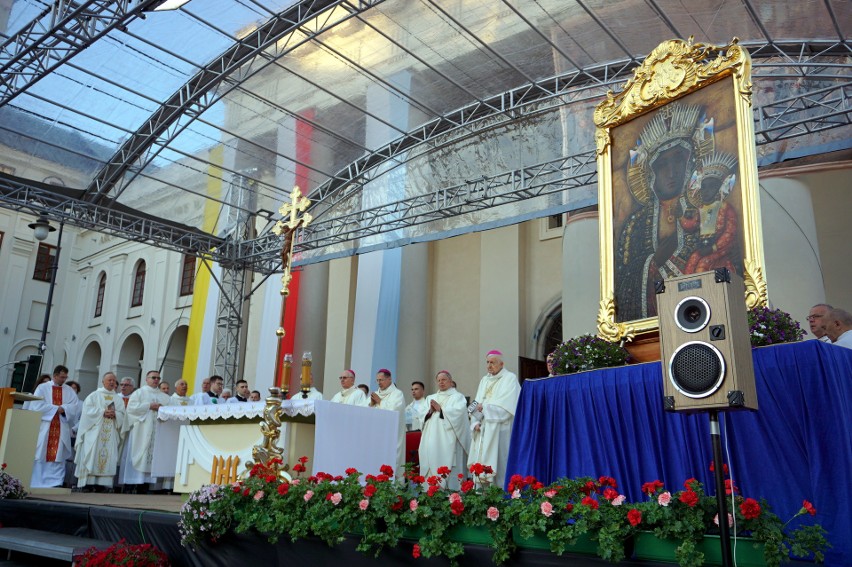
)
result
[(454, 497), (308, 495), (336, 498), (664, 498), (412, 505), (363, 504), (516, 493), (619, 500), (730, 520), (294, 481), (493, 513), (550, 493), (547, 509), (258, 495)]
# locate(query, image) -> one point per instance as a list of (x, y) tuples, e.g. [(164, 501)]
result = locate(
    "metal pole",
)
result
[(42, 344), (721, 499)]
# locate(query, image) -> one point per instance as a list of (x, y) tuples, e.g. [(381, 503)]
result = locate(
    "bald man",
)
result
[(350, 393), (838, 327)]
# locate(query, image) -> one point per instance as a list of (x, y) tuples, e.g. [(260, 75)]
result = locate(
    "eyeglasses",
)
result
[(813, 317)]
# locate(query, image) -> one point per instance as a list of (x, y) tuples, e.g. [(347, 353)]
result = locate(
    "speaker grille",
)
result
[(697, 369)]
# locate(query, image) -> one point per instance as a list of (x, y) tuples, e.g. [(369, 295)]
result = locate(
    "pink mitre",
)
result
[(494, 352)]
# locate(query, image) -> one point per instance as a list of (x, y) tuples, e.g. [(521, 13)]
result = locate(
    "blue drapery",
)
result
[(611, 422)]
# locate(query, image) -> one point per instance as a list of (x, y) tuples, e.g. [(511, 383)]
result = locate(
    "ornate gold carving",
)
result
[(268, 452), (755, 285), (674, 68), (607, 327), (602, 140)]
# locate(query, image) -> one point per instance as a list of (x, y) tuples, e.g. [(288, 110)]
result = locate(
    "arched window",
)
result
[(99, 301), (138, 285)]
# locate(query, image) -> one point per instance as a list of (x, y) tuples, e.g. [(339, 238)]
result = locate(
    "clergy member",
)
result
[(60, 411), (99, 436), (446, 431), (211, 395), (242, 392), (417, 407), (389, 397), (349, 394), (179, 398), (142, 415), (491, 419)]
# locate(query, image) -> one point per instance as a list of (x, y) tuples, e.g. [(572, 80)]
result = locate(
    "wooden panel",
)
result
[(726, 308)]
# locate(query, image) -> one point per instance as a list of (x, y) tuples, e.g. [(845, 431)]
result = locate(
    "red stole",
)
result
[(53, 434), (125, 401)]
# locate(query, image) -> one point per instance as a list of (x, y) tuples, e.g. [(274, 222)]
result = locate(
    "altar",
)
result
[(611, 422), (332, 436)]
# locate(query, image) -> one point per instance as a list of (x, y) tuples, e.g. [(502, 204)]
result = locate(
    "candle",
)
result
[(306, 373)]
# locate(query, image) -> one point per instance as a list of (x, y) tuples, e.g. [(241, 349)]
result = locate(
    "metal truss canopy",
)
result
[(59, 33)]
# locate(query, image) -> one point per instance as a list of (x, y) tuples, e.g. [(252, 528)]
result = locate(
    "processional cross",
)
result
[(268, 453), (286, 227)]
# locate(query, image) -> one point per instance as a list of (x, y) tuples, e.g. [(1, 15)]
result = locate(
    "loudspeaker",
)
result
[(704, 343)]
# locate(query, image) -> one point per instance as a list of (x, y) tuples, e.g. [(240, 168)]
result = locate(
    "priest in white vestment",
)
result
[(445, 435), (179, 398), (349, 393), (142, 416), (60, 412), (417, 407), (491, 419), (389, 397), (99, 435)]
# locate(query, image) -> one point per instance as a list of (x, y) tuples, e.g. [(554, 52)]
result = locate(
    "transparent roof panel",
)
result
[(344, 84)]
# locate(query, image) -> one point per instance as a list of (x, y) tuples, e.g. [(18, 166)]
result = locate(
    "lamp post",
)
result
[(41, 229)]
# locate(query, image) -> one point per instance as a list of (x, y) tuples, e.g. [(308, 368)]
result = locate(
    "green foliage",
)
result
[(384, 512), (772, 326), (586, 352)]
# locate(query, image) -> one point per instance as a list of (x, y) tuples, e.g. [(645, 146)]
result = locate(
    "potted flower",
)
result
[(580, 515), (10, 487), (123, 553), (772, 326), (688, 521), (587, 352)]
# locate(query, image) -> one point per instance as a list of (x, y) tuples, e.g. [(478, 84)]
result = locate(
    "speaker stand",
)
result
[(721, 497)]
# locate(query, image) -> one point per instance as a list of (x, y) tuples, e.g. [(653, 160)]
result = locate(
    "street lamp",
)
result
[(41, 228)]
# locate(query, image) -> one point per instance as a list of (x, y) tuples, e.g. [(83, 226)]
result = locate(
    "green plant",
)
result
[(587, 352), (10, 487), (383, 511), (122, 553), (772, 326), (686, 516)]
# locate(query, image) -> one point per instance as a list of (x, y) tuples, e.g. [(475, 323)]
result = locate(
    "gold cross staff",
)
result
[(298, 204)]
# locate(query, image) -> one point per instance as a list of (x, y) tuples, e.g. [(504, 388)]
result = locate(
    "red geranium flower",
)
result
[(457, 507), (590, 502), (634, 516), (808, 507), (750, 509), (443, 471), (432, 490), (351, 471), (607, 481), (386, 469), (689, 497), (650, 488), (303, 459), (466, 486), (687, 484), (369, 490), (415, 551), (283, 488)]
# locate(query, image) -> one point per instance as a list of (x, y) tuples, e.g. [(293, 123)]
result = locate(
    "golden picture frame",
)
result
[(677, 181)]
